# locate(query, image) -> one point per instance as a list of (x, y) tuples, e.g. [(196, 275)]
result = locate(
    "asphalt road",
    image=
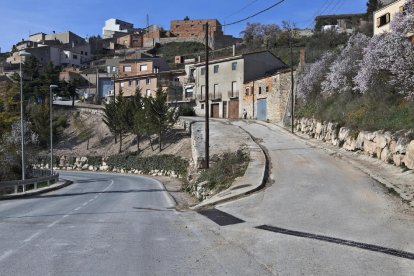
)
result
[(317, 194), (325, 218), (107, 224)]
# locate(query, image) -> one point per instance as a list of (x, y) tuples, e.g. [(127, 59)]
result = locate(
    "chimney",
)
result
[(234, 50)]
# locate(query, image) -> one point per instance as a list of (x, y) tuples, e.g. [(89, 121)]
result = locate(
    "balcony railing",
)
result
[(232, 94), (169, 83), (214, 96)]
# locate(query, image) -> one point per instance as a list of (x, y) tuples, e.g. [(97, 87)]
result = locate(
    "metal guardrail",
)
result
[(21, 186)]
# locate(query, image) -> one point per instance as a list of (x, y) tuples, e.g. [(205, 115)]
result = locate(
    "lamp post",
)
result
[(22, 54), (51, 126)]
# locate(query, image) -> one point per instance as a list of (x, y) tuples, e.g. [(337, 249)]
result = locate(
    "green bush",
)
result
[(94, 160), (362, 112), (186, 110), (222, 174), (147, 164)]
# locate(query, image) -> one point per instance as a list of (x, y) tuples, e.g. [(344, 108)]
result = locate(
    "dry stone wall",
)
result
[(391, 147)]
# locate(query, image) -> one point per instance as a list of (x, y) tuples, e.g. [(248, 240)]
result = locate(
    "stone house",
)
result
[(348, 23), (147, 75), (226, 81), (135, 40), (267, 98)]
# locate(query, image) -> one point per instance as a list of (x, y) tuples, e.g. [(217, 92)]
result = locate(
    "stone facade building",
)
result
[(226, 79), (267, 98)]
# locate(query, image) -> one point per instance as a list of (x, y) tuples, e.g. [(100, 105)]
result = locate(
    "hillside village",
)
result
[(143, 150)]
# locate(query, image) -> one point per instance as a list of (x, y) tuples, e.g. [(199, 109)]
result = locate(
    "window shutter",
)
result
[(378, 21), (387, 18), (401, 9)]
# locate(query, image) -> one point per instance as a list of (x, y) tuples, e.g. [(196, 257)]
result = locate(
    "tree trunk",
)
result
[(73, 101), (151, 143), (87, 144), (159, 137), (137, 144), (116, 139), (120, 143)]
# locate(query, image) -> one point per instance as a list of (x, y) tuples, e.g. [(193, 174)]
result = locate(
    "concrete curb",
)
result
[(57, 186), (337, 153), (253, 180)]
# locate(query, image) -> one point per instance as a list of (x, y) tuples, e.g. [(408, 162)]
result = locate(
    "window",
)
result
[(113, 69), (130, 83), (75, 57), (202, 106), (267, 88), (216, 69), (203, 89), (86, 53), (383, 20), (143, 67), (234, 89), (234, 66), (81, 52), (260, 90), (122, 84), (148, 81), (215, 95), (127, 68), (252, 90), (137, 82), (148, 92), (247, 91), (203, 71)]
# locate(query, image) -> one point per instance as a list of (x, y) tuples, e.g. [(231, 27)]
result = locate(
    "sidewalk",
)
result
[(394, 178), (224, 136)]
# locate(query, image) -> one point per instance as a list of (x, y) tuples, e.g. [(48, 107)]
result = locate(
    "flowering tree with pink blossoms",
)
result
[(345, 66), (309, 82), (388, 62)]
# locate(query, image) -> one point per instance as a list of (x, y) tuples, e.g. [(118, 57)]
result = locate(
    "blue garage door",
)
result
[(261, 110)]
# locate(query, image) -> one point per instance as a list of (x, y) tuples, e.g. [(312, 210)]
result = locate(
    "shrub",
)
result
[(147, 164), (222, 174), (186, 110)]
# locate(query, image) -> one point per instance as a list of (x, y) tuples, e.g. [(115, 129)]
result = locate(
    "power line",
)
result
[(256, 14), (242, 9)]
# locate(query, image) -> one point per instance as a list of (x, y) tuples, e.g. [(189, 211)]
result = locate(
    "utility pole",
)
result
[(207, 124), (292, 102)]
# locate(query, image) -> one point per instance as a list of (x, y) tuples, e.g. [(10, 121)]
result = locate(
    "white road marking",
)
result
[(6, 254), (32, 236)]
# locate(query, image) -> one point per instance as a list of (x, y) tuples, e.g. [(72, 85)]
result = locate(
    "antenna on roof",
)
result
[(147, 22)]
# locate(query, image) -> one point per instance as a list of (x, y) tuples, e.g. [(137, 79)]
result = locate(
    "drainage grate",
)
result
[(365, 246), (219, 217)]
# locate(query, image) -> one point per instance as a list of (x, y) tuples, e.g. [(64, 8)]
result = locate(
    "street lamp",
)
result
[(51, 127), (22, 54)]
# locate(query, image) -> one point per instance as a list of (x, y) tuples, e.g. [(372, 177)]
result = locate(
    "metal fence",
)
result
[(40, 179)]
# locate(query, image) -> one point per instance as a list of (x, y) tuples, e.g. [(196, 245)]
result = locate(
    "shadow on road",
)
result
[(102, 192)]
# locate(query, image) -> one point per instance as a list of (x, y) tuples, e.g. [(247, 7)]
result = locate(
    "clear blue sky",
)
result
[(19, 18)]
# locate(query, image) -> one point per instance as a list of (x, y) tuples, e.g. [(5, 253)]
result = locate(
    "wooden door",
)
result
[(215, 111), (234, 109)]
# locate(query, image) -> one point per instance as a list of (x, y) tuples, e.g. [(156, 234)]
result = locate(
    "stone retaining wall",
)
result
[(391, 147)]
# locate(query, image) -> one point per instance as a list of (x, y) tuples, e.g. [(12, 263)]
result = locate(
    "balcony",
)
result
[(169, 83), (233, 94), (189, 80), (214, 96)]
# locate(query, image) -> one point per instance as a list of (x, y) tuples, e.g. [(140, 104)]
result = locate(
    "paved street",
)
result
[(324, 216), (318, 194), (113, 225)]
